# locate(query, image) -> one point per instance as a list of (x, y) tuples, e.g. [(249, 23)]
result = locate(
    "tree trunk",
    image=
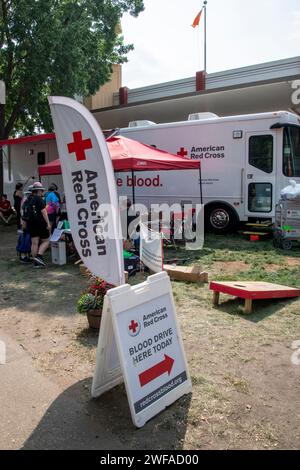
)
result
[(2, 136)]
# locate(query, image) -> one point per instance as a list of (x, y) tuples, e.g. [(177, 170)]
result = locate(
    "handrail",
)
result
[(242, 185), (281, 215)]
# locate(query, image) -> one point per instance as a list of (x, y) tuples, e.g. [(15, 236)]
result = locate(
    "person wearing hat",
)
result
[(26, 195), (37, 224)]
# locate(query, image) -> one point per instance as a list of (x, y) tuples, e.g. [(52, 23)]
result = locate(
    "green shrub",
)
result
[(89, 302)]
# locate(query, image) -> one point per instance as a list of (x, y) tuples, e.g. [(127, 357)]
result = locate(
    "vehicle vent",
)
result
[(141, 124), (202, 116)]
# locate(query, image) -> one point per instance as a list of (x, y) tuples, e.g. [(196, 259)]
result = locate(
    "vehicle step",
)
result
[(259, 234), (268, 225)]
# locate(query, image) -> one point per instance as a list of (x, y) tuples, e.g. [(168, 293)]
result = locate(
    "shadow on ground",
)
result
[(50, 291), (74, 421), (261, 308)]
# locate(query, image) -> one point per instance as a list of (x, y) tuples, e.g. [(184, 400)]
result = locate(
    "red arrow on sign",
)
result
[(156, 371)]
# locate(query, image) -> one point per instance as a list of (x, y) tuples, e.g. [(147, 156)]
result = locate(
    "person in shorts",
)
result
[(38, 224)]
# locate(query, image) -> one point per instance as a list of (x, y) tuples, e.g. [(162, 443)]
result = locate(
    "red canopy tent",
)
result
[(52, 168), (130, 155)]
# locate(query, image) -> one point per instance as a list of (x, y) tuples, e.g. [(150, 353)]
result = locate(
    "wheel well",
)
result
[(213, 204)]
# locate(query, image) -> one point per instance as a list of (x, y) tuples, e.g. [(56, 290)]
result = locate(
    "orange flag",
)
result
[(197, 20)]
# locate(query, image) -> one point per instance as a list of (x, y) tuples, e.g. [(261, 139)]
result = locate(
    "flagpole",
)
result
[(205, 37)]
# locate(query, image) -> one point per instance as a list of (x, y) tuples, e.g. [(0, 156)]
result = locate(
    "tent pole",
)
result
[(133, 188)]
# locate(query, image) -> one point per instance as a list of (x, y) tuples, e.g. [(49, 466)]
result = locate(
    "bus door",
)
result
[(260, 174)]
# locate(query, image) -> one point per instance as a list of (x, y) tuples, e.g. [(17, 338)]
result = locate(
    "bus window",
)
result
[(291, 152), (261, 152), (260, 197)]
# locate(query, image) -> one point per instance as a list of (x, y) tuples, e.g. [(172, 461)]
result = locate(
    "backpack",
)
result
[(29, 212), (51, 206)]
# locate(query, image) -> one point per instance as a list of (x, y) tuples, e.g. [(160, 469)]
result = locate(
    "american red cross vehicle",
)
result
[(246, 161)]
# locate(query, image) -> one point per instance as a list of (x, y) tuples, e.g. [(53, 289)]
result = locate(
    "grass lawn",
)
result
[(231, 255), (246, 391)]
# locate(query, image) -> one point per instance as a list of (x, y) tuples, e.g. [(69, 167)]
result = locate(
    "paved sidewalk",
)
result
[(36, 414)]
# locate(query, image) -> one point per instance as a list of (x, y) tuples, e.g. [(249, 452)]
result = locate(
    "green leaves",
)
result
[(89, 302), (59, 47)]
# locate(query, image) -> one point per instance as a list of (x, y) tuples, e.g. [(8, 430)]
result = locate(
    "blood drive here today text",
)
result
[(151, 346)]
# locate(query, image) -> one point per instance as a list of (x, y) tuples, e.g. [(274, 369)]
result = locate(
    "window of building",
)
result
[(41, 158)]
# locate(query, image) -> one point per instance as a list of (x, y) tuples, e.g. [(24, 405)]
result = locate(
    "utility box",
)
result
[(58, 253), (131, 264)]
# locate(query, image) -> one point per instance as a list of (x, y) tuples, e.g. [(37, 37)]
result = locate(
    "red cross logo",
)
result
[(134, 328), (79, 146), (183, 152)]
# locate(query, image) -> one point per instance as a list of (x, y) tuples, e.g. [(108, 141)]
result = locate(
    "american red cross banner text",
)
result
[(90, 189)]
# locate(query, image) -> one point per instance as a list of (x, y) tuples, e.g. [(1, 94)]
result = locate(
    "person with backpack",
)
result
[(34, 214)]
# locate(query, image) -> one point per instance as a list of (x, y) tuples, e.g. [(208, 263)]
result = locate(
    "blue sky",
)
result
[(239, 33)]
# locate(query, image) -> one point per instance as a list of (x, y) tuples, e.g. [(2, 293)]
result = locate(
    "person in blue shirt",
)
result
[(52, 205)]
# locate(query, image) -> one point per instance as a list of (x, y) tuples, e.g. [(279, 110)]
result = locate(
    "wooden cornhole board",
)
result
[(187, 273), (252, 291)]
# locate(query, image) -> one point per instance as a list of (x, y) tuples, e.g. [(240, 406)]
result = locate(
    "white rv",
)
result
[(21, 158), (246, 161)]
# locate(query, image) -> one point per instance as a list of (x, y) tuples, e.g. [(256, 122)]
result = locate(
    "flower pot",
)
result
[(94, 319)]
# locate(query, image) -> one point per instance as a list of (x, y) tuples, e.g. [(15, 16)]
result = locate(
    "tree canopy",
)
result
[(56, 47)]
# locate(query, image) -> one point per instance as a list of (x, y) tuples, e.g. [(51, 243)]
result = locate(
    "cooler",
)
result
[(58, 252)]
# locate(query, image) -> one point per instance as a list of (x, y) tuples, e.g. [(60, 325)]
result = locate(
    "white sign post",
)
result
[(149, 346)]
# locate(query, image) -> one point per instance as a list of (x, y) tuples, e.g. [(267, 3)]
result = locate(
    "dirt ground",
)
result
[(246, 390)]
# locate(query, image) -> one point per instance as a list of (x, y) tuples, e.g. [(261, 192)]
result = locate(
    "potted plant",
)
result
[(91, 306), (91, 302)]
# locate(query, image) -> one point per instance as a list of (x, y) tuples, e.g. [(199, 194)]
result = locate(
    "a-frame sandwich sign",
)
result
[(140, 343)]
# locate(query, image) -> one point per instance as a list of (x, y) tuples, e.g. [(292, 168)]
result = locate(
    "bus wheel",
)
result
[(220, 219), (287, 245)]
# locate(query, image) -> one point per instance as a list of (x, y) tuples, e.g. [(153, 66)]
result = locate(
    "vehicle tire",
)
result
[(220, 218), (287, 245)]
